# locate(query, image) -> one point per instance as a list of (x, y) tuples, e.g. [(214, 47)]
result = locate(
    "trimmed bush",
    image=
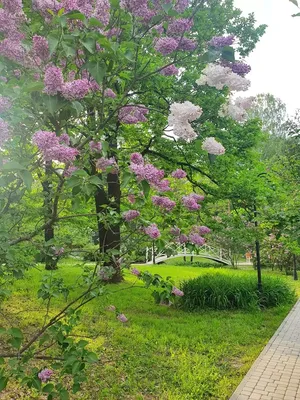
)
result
[(234, 290)]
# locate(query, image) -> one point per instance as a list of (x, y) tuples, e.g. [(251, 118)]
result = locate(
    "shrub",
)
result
[(223, 291)]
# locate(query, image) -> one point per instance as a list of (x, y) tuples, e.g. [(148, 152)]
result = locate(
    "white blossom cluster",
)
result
[(237, 109), (181, 114), (212, 146), (217, 76)]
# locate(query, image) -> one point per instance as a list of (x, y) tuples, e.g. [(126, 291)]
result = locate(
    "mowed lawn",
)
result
[(161, 353)]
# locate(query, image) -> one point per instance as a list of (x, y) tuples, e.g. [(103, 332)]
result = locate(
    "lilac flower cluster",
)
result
[(166, 45), (213, 147), (111, 308), (138, 8), (177, 292), (191, 201), (152, 231), (45, 375), (137, 158), (69, 171), (178, 174), (181, 114), (4, 131), (95, 146), (109, 93), (221, 41), (240, 68), (175, 231), (135, 272), (201, 230), (12, 49), (131, 215), (76, 89), (5, 104), (186, 44), (179, 26), (196, 239), (102, 11), (40, 47), (12, 6), (53, 80), (169, 70), (103, 163), (164, 203), (133, 114), (53, 147), (122, 318)]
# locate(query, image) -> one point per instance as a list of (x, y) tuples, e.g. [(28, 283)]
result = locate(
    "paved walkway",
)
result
[(275, 375)]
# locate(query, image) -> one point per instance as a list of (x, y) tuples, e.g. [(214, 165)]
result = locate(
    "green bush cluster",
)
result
[(231, 290)]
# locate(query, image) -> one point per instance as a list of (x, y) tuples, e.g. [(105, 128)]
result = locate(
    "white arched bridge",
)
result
[(212, 253)]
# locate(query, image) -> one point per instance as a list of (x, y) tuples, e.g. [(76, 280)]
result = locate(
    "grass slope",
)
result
[(162, 353)]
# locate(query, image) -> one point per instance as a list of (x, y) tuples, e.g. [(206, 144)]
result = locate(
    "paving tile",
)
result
[(275, 375)]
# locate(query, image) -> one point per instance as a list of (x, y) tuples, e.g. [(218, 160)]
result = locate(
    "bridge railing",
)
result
[(219, 254)]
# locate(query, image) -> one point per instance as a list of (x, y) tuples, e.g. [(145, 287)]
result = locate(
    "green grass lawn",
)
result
[(161, 353)]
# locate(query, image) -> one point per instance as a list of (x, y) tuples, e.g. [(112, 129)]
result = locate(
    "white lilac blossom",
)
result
[(237, 109), (217, 76), (181, 114), (213, 147)]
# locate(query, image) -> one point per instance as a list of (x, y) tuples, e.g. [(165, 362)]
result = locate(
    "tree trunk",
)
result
[(50, 264), (109, 236), (295, 273), (257, 248)]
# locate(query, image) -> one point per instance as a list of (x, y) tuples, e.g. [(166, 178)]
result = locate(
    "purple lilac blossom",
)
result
[(45, 375), (109, 93), (69, 171), (135, 272), (75, 90), (95, 146), (133, 114), (122, 318), (152, 231), (5, 104), (190, 203), (53, 81), (4, 131), (164, 203), (41, 47), (179, 26), (169, 70), (221, 41), (196, 239), (240, 68), (137, 158), (131, 215), (103, 163), (166, 45), (131, 198), (175, 231), (177, 292), (178, 174)]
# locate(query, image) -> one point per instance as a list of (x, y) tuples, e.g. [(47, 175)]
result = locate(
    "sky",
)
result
[(276, 60)]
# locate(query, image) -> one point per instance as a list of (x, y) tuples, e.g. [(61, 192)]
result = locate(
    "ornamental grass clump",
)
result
[(231, 290)]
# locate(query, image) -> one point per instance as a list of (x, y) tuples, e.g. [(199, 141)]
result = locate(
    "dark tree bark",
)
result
[(295, 273), (50, 264), (257, 248), (109, 237)]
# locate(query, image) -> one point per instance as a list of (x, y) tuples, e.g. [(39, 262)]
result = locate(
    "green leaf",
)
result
[(167, 7), (76, 388), (126, 178), (95, 22), (53, 43), (76, 367), (294, 2), (64, 395), (36, 383), (48, 388), (2, 331), (75, 15), (27, 178), (95, 180), (69, 50), (198, 145), (105, 148), (82, 343), (15, 332), (91, 357), (146, 188), (15, 342), (33, 87), (3, 383), (78, 107), (89, 44), (97, 69), (12, 166), (296, 15), (228, 53), (2, 361)]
